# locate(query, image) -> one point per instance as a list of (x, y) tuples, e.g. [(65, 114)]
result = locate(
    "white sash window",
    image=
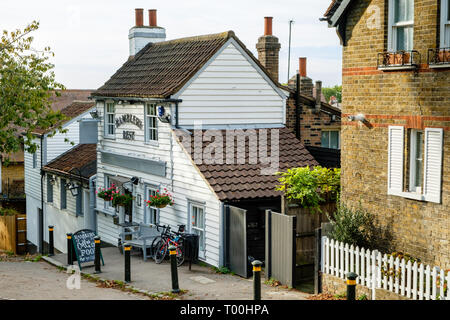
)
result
[(110, 110), (445, 24), (401, 25), (151, 123)]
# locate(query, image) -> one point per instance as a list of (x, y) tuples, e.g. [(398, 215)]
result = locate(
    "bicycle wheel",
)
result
[(180, 254), (160, 252), (153, 246)]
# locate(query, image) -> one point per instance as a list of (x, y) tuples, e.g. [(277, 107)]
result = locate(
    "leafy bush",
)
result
[(351, 226), (8, 212), (310, 187)]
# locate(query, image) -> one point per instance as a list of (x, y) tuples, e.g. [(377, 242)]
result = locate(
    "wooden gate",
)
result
[(280, 247), (13, 235), (236, 228), (307, 223)]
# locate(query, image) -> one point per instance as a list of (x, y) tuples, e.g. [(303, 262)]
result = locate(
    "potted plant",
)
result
[(106, 194), (160, 200)]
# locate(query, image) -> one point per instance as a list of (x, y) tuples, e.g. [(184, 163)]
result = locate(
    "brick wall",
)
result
[(311, 124), (413, 99)]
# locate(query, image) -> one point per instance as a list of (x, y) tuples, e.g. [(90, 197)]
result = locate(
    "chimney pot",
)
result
[(152, 17), (302, 67), (268, 26), (139, 13)]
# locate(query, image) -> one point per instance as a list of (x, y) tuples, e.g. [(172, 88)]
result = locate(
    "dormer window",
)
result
[(401, 25), (110, 110)]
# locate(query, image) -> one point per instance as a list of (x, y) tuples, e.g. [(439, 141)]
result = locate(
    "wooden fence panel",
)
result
[(13, 233)]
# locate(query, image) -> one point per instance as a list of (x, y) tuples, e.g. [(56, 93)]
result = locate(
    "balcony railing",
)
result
[(400, 60), (439, 58)]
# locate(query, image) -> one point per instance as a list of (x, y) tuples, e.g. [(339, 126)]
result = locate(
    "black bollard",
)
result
[(69, 249), (173, 268), (127, 251), (51, 248), (97, 254), (351, 285), (256, 279)]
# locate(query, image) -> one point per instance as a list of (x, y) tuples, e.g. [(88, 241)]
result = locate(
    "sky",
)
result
[(90, 38)]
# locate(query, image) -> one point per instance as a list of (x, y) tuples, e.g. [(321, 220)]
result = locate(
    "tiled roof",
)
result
[(161, 69), (82, 157), (245, 181), (68, 96), (71, 111)]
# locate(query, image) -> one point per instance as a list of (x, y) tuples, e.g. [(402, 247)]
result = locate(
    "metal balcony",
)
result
[(400, 60), (439, 58)]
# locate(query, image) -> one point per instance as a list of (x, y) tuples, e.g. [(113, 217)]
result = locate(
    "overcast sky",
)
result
[(90, 38)]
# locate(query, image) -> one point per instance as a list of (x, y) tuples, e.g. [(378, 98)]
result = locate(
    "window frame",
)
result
[(412, 160), (107, 124), (79, 203), (49, 190), (147, 127), (200, 205), (63, 194), (329, 140), (148, 210), (394, 26), (444, 22)]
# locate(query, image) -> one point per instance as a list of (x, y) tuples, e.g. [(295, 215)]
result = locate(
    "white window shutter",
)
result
[(433, 164), (395, 160)]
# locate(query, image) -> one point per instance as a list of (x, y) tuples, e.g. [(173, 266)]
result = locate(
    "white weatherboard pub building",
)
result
[(157, 96)]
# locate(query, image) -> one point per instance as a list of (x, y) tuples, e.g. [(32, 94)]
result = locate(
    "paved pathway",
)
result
[(42, 281), (201, 282)]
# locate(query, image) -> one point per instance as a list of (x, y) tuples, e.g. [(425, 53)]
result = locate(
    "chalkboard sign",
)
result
[(84, 246)]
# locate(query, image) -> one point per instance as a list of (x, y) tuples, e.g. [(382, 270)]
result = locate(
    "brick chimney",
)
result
[(268, 49), (140, 35), (306, 83)]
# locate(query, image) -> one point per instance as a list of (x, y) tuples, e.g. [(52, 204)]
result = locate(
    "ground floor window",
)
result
[(151, 215), (197, 221)]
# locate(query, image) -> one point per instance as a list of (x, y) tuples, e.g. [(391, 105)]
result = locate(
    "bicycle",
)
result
[(168, 238)]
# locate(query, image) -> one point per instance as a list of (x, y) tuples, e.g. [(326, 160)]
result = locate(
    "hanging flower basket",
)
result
[(106, 194), (160, 200), (121, 199)]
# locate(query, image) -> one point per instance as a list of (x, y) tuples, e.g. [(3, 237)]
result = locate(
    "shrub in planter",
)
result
[(160, 200)]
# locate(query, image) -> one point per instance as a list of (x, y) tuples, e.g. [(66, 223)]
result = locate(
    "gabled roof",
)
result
[(161, 69), (71, 111), (80, 160), (245, 181)]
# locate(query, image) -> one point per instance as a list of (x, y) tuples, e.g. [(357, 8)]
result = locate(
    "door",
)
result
[(236, 230)]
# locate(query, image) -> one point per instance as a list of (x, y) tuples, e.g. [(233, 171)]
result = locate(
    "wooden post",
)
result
[(317, 263)]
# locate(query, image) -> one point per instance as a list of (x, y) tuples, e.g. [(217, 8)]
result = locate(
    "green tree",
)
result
[(27, 83), (336, 91)]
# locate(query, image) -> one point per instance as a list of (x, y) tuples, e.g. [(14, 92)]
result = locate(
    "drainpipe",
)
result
[(90, 218), (41, 216)]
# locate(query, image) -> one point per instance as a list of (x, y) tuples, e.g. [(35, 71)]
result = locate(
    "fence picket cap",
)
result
[(421, 279), (434, 284), (414, 281), (427, 282)]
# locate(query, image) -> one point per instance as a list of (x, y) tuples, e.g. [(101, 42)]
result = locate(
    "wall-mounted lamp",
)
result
[(74, 188), (135, 180), (358, 117), (94, 114)]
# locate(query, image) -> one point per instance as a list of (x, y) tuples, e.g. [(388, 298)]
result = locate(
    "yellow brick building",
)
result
[(395, 151)]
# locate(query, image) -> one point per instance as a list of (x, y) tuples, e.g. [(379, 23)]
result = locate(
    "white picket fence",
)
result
[(375, 270)]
